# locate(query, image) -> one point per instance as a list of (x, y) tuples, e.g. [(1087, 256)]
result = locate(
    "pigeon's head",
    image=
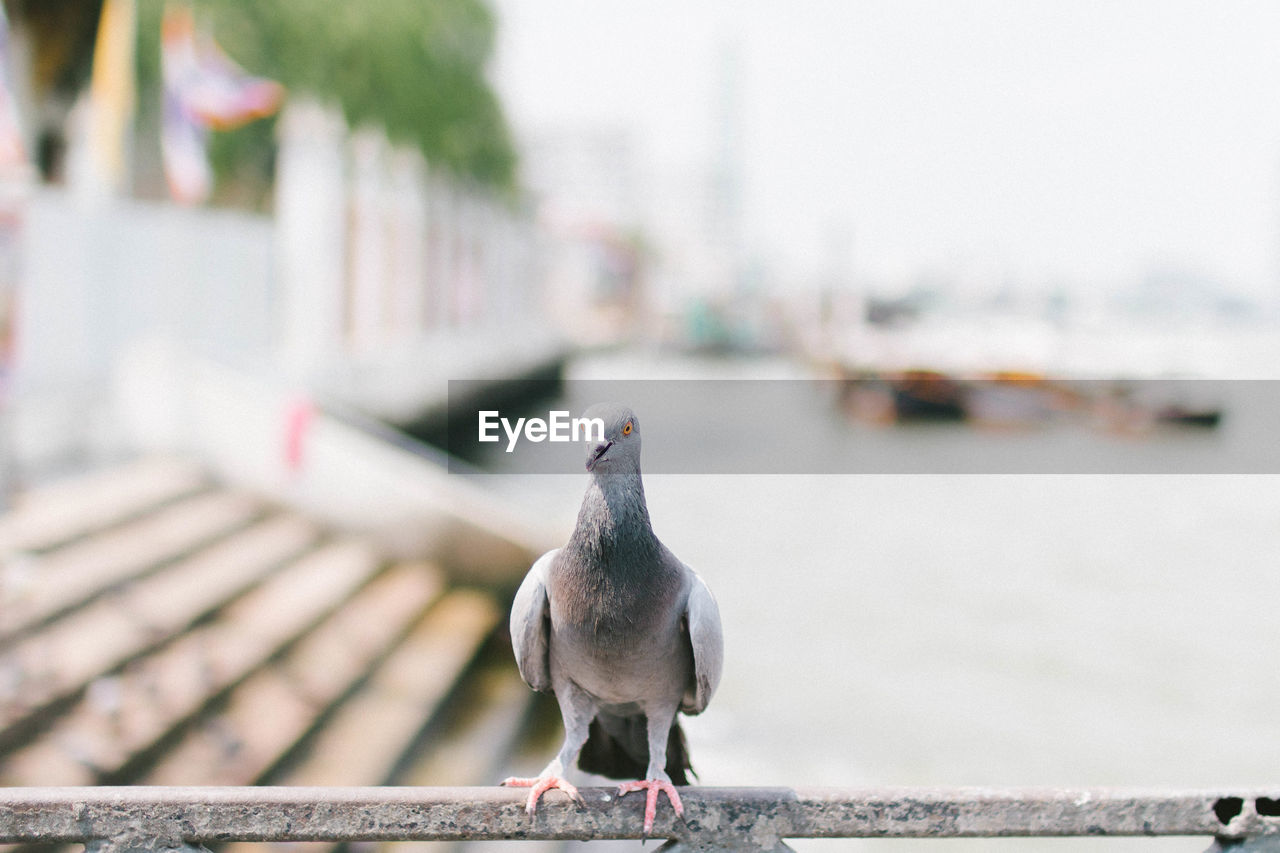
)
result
[(619, 450)]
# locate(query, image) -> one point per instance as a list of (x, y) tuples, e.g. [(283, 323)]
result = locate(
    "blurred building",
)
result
[(586, 185), (374, 279)]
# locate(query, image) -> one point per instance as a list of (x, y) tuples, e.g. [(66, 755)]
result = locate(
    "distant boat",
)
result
[(926, 395), (1009, 399), (1182, 416)]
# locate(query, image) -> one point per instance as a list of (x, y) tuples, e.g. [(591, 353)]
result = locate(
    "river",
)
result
[(1004, 630)]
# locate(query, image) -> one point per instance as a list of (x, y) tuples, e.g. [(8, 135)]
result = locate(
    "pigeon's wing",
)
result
[(531, 625), (702, 617)]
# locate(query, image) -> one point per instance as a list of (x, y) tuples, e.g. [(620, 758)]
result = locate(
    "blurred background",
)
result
[(245, 247)]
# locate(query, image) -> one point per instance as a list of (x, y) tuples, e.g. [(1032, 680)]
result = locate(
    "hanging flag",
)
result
[(182, 136), (111, 93), (203, 90)]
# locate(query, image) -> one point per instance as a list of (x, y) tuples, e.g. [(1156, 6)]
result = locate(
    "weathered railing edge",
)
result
[(752, 817)]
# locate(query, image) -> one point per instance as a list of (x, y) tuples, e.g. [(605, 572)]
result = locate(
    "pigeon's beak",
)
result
[(597, 453)]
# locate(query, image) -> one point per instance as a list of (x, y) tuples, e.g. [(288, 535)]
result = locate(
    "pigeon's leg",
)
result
[(655, 777), (577, 709)]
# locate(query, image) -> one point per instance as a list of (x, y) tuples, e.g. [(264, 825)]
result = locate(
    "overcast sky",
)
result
[(1081, 141)]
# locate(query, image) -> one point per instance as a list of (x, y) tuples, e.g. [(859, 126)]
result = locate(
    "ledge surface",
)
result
[(759, 816)]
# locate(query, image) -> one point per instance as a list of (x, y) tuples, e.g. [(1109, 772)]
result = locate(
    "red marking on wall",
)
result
[(298, 420)]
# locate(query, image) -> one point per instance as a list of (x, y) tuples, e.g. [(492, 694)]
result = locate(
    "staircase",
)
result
[(158, 627)]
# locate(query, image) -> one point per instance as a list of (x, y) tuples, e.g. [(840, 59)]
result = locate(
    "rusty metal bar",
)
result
[(755, 818)]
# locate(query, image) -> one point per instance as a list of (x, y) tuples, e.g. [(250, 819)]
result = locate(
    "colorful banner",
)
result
[(203, 90)]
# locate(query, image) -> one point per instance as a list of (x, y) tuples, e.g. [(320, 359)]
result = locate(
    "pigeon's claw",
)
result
[(652, 787), (539, 786)]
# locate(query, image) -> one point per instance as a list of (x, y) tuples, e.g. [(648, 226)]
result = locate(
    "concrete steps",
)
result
[(58, 514), (126, 718), (270, 715), (75, 575), (45, 671), (368, 738), (157, 627)]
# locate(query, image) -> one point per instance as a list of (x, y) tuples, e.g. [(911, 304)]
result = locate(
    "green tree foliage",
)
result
[(414, 67)]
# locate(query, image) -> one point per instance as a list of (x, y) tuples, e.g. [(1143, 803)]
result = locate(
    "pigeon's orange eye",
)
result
[(626, 430)]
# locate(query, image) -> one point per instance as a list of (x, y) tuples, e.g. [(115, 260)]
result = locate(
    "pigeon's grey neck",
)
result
[(613, 522)]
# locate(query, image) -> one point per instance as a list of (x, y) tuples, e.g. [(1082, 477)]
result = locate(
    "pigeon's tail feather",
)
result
[(618, 747)]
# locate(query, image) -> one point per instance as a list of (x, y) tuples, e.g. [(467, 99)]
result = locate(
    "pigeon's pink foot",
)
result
[(540, 786), (652, 787)]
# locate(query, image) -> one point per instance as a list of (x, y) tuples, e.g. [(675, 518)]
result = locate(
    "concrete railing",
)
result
[(152, 818)]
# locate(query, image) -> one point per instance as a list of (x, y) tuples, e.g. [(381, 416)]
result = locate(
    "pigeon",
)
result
[(621, 631)]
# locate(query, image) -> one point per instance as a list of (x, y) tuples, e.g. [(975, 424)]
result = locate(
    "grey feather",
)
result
[(530, 625), (703, 618)]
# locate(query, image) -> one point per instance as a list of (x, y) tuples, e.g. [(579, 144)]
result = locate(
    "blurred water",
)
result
[(975, 630)]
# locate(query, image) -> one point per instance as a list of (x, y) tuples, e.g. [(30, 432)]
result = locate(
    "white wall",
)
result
[(375, 282)]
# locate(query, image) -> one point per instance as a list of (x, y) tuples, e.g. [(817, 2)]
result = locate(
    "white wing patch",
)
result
[(703, 618), (530, 615)]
